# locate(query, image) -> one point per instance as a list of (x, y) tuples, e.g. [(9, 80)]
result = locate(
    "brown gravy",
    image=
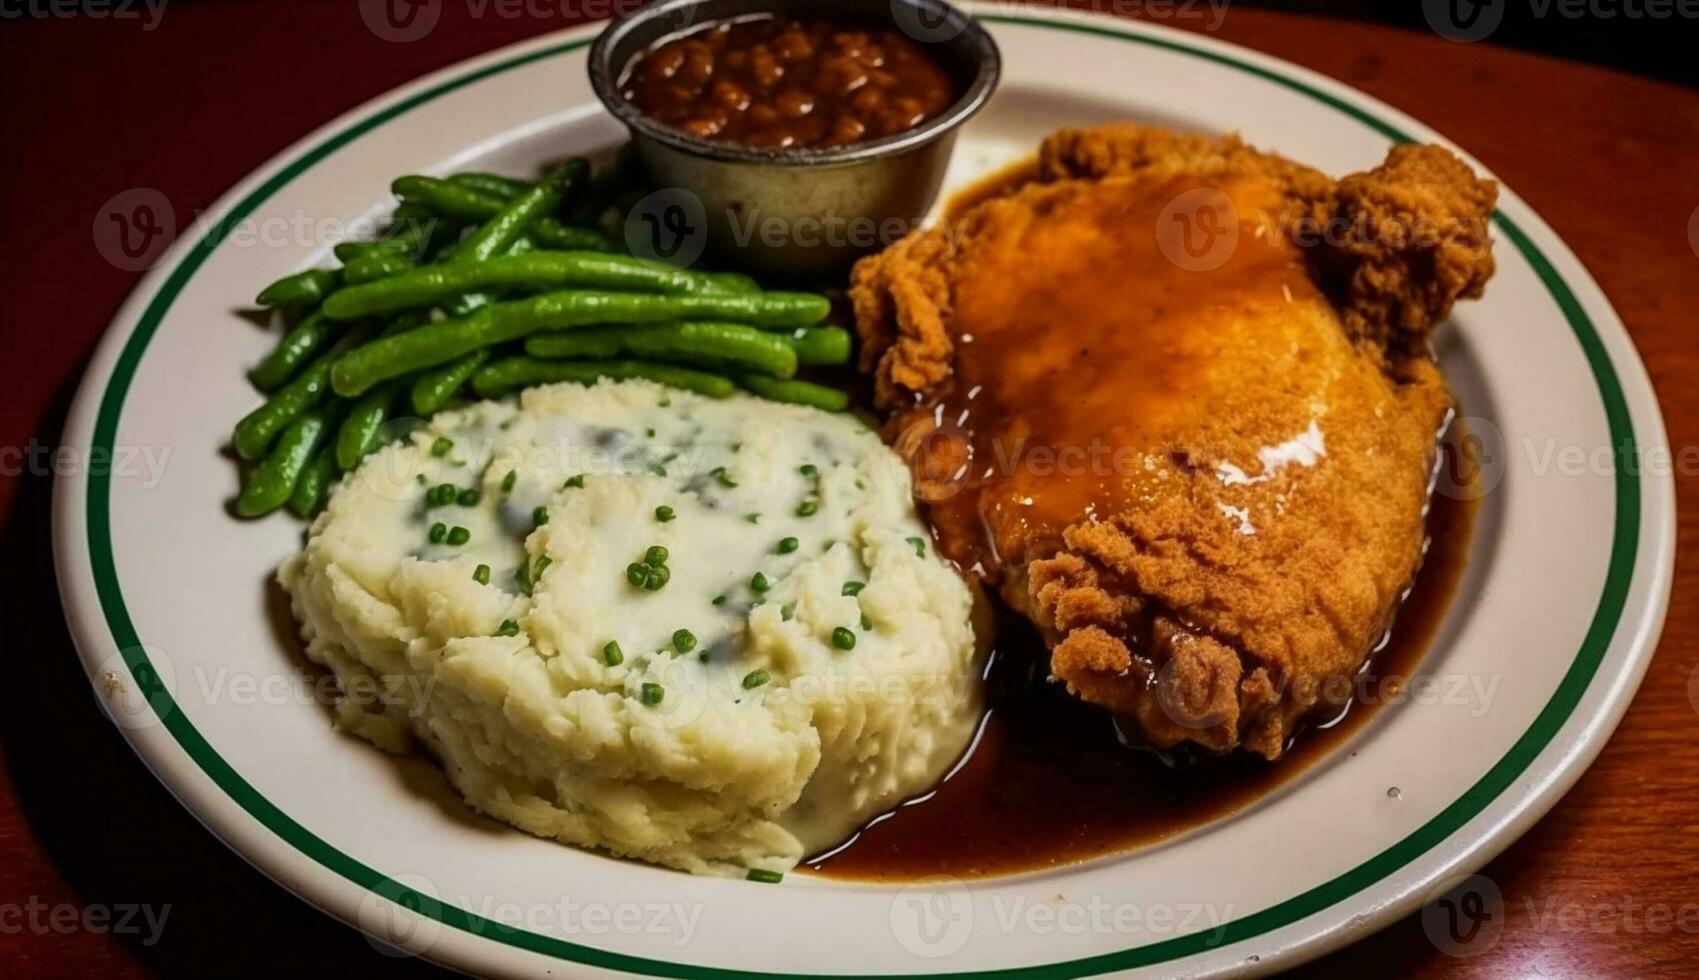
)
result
[(1048, 782), (1066, 379)]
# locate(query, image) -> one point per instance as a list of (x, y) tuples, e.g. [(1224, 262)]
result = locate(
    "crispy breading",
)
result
[(1415, 242), (1395, 246), (1205, 609)]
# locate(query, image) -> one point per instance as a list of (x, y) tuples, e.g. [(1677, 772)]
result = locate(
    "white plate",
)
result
[(167, 598)]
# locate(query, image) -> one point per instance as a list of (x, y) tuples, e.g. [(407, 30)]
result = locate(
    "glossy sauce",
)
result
[(1065, 380), (774, 83), (1049, 783)]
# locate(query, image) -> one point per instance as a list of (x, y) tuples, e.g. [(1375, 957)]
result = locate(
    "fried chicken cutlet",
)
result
[(1173, 399)]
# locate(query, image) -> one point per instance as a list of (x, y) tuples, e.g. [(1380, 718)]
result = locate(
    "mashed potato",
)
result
[(802, 663)]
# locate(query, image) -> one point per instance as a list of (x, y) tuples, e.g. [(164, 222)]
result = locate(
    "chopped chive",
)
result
[(540, 516), (507, 628), (442, 446), (653, 693), (442, 495), (664, 513), (755, 678), (764, 876), (809, 470), (458, 536), (468, 497), (481, 575), (612, 655), (684, 641), (574, 482), (843, 638), (665, 402), (758, 583), (919, 546), (787, 611), (808, 508), (656, 555), (656, 577), (439, 531), (866, 621), (508, 481), (854, 588), (787, 545), (719, 600), (752, 518), (422, 479), (649, 432), (542, 566), (827, 544), (637, 573), (719, 474), (657, 469)]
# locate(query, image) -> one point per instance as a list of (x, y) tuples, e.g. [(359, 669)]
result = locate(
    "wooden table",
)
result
[(189, 107)]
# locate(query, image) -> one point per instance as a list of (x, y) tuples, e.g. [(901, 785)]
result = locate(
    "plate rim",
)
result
[(80, 518)]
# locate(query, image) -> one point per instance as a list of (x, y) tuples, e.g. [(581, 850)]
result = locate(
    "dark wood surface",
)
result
[(97, 107)]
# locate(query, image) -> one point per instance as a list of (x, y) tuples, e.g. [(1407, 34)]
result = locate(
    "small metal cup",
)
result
[(802, 213)]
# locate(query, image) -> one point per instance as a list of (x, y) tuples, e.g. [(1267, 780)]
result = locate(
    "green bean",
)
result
[(411, 228), (467, 302), (375, 266), (728, 345), (433, 388), (307, 288), (359, 433), (494, 185), (259, 428), (314, 483), (509, 224), (446, 340), (300, 342), (531, 272), (820, 345), (550, 233), (273, 480), (445, 199), (469, 206), (796, 392), (591, 342), (521, 372)]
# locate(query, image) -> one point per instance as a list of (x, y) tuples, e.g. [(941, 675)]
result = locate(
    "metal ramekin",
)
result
[(802, 213)]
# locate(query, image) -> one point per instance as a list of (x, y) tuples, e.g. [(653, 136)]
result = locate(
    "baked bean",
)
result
[(867, 101), (840, 84), (793, 45), (847, 129), (765, 67), (794, 104), (667, 61), (729, 94)]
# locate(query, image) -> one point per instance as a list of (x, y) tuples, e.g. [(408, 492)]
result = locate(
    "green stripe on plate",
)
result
[(1527, 748)]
